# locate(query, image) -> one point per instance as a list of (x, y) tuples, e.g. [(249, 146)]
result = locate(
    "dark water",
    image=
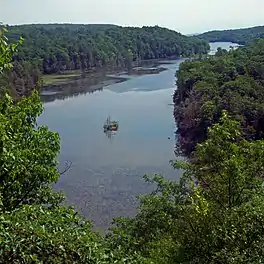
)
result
[(106, 172)]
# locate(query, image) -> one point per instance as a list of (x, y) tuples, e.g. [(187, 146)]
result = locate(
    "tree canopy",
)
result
[(241, 36), (214, 214), (232, 81), (58, 48)]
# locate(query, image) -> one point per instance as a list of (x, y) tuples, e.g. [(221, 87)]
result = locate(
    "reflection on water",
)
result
[(110, 134), (77, 87), (99, 80)]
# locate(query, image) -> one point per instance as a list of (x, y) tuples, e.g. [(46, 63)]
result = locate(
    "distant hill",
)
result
[(240, 36), (57, 48), (69, 26), (192, 35)]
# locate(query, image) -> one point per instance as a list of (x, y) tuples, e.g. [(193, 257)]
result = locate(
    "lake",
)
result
[(106, 172), (223, 45)]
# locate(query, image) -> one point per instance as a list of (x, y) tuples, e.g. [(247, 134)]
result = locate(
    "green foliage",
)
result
[(240, 36), (60, 48), (19, 78), (56, 48), (28, 153), (214, 214), (153, 230), (6, 51), (231, 81), (228, 165), (37, 234)]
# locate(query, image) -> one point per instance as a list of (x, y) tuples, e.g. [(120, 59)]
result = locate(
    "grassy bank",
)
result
[(57, 79), (53, 79)]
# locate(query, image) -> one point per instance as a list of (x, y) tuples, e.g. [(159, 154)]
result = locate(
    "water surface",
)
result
[(224, 45), (106, 172)]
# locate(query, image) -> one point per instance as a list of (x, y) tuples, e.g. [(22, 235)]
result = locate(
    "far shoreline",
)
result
[(137, 68), (61, 85)]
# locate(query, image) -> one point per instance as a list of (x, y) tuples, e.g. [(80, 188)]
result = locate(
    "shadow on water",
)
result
[(77, 87)]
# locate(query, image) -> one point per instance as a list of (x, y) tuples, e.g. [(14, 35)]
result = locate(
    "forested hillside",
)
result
[(240, 36), (232, 81), (55, 48)]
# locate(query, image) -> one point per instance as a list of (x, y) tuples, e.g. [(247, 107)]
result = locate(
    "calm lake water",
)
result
[(106, 172)]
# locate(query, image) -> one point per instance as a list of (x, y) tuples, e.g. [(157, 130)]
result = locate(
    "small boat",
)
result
[(110, 125)]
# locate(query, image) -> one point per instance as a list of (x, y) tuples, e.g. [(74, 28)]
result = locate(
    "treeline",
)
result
[(240, 36), (54, 48), (22, 80), (232, 81)]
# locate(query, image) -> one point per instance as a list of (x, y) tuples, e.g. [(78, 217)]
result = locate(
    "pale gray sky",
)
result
[(186, 16)]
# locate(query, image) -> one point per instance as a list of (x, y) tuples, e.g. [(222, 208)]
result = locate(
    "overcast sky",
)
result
[(186, 16)]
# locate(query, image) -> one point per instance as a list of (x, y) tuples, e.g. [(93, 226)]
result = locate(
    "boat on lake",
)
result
[(110, 125)]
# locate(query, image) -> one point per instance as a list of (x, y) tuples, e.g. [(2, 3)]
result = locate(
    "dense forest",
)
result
[(233, 81), (56, 48), (240, 36)]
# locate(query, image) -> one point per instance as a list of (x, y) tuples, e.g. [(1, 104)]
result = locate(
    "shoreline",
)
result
[(138, 68), (77, 87), (73, 84)]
